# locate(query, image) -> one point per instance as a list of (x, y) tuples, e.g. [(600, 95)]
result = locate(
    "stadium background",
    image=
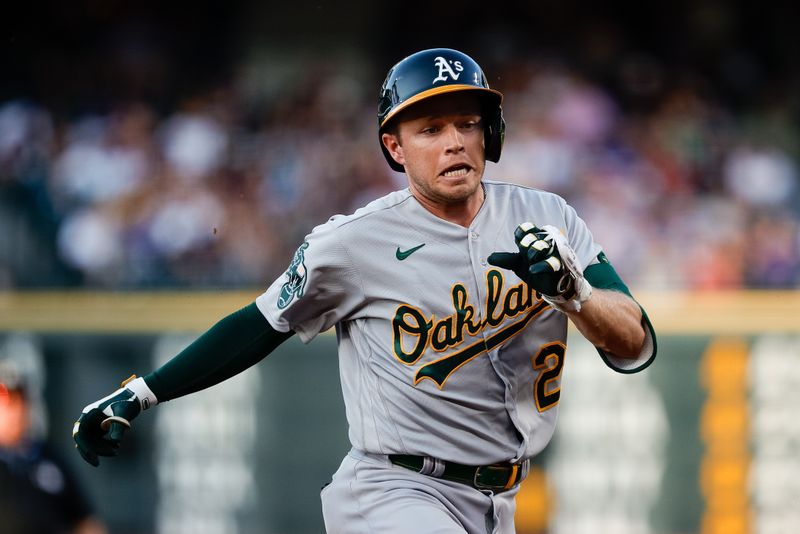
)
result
[(159, 164)]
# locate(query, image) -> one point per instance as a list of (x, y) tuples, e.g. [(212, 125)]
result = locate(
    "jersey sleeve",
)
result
[(320, 287), (579, 237)]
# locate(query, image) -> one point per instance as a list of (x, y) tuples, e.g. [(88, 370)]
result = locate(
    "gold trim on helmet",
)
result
[(437, 91)]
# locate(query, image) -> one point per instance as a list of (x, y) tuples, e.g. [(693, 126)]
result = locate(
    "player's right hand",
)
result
[(99, 430)]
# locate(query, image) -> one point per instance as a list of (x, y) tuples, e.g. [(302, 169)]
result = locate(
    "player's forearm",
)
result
[(234, 344), (611, 321)]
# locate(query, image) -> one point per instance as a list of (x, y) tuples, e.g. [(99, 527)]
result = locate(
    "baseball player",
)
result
[(450, 301)]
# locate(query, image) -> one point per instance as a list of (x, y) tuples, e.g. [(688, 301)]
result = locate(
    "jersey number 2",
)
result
[(549, 361)]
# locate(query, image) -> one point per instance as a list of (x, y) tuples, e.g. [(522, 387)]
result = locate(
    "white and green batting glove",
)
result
[(547, 263), (99, 430)]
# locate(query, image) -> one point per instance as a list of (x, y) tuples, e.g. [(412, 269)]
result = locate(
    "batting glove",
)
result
[(547, 263), (99, 430)]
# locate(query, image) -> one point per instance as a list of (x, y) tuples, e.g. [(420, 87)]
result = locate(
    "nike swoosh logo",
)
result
[(403, 254)]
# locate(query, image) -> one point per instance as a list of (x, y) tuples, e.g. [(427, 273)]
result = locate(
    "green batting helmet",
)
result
[(433, 72)]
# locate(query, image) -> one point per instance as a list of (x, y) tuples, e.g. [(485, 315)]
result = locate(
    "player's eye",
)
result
[(430, 129), (470, 124)]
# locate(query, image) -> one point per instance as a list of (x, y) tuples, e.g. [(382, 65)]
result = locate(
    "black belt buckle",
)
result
[(496, 477)]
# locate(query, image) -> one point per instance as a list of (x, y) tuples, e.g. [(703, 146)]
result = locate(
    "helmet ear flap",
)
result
[(494, 133)]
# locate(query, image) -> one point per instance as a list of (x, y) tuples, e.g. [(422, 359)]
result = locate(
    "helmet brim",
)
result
[(439, 91)]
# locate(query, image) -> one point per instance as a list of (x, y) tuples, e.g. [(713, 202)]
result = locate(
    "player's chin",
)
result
[(457, 192), (467, 182)]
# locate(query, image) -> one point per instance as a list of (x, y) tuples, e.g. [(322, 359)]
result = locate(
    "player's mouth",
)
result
[(457, 171)]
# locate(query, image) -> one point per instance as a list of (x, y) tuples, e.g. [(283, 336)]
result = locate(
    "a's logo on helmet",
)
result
[(445, 68)]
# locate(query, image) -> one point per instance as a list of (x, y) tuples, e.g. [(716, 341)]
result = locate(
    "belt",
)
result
[(495, 477)]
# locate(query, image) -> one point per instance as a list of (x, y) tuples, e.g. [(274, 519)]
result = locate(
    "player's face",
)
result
[(440, 143)]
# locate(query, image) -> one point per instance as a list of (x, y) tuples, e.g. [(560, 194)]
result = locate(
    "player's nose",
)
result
[(454, 139)]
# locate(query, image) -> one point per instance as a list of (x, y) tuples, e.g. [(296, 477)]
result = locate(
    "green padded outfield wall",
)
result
[(705, 441)]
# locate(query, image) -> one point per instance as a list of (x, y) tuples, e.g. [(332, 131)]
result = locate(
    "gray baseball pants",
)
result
[(370, 495)]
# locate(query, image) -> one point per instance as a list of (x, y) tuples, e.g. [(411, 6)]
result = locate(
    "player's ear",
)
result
[(392, 144)]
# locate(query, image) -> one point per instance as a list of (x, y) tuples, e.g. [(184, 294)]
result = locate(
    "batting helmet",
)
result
[(433, 72)]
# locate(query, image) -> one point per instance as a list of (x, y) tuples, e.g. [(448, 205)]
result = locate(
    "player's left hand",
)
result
[(99, 430), (547, 263)]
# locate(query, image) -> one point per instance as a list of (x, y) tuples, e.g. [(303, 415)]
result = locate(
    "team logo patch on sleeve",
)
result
[(296, 274)]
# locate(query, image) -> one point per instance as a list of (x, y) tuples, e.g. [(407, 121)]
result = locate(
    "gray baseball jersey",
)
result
[(441, 354)]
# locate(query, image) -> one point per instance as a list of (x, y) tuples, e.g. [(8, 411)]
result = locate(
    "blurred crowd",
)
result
[(683, 192)]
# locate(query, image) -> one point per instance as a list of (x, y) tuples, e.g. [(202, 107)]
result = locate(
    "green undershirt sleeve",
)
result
[(235, 343)]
